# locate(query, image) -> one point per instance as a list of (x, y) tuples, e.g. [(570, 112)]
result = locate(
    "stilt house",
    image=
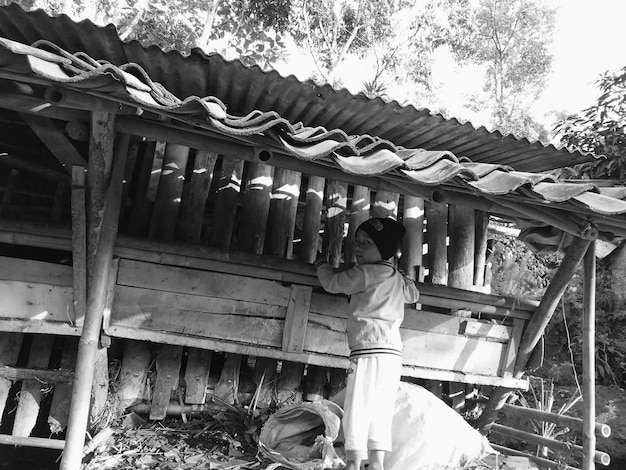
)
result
[(166, 209)]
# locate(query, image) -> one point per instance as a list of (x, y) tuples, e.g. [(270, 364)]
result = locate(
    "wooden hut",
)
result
[(168, 208)]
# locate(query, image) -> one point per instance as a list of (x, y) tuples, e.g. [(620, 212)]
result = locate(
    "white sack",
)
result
[(429, 435)]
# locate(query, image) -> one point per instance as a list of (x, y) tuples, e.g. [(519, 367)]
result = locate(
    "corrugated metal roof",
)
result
[(247, 89), (580, 209)]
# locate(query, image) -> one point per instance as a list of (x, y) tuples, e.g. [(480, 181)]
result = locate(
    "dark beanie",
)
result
[(386, 233)]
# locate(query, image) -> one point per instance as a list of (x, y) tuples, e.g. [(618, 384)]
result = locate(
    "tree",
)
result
[(600, 130), (511, 39)]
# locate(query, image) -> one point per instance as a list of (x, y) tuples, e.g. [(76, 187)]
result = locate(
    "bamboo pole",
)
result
[(550, 299), (597, 456), (566, 421), (359, 213), (41, 442), (336, 203), (589, 373), (540, 460), (535, 328), (96, 300), (436, 238), (309, 246), (413, 243)]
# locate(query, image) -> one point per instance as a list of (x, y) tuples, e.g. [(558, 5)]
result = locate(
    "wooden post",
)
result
[(256, 207), (589, 371), (536, 327), (10, 346), (96, 301), (197, 375), (282, 216), (550, 299), (60, 407), (359, 213), (133, 374), (226, 202), (413, 243), (168, 362), (31, 394), (79, 244), (308, 249), (480, 249), (336, 203), (141, 210), (195, 194), (436, 238), (461, 229), (385, 204), (167, 205)]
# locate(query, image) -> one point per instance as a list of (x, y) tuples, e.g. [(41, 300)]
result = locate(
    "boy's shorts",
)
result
[(371, 389)]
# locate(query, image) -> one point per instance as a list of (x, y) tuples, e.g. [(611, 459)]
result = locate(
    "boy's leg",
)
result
[(388, 371), (353, 465), (376, 459), (356, 415)]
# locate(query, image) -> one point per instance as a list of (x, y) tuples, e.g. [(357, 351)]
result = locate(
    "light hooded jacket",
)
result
[(377, 294)]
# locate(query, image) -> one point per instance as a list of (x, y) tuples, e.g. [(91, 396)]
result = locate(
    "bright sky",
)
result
[(589, 39)]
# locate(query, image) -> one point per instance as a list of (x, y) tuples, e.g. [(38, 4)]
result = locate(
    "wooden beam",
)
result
[(546, 462), (550, 300), (96, 301), (589, 359), (55, 140), (309, 246), (79, 244), (359, 213)]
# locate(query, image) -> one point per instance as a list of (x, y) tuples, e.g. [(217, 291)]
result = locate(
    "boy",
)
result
[(377, 293)]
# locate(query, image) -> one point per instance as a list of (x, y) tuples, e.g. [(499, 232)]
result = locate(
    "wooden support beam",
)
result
[(534, 330), (55, 140), (79, 244), (288, 389), (40, 442), (550, 300), (96, 301), (589, 359)]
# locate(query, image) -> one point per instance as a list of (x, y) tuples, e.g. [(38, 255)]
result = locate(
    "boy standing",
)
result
[(377, 293)]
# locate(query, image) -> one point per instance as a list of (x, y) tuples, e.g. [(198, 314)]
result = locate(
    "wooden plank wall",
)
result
[(201, 319)]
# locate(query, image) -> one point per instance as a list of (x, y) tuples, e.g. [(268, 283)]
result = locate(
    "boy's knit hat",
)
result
[(386, 233)]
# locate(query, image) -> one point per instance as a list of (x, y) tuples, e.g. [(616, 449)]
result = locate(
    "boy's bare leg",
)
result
[(376, 459), (352, 465)]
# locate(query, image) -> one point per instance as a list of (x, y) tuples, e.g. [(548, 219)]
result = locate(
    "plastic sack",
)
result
[(302, 436), (429, 435)]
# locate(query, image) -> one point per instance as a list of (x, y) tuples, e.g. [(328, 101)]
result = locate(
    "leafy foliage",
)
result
[(511, 39), (600, 130)]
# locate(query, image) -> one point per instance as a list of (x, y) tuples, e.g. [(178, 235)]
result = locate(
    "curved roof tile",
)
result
[(365, 155), (249, 88)]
